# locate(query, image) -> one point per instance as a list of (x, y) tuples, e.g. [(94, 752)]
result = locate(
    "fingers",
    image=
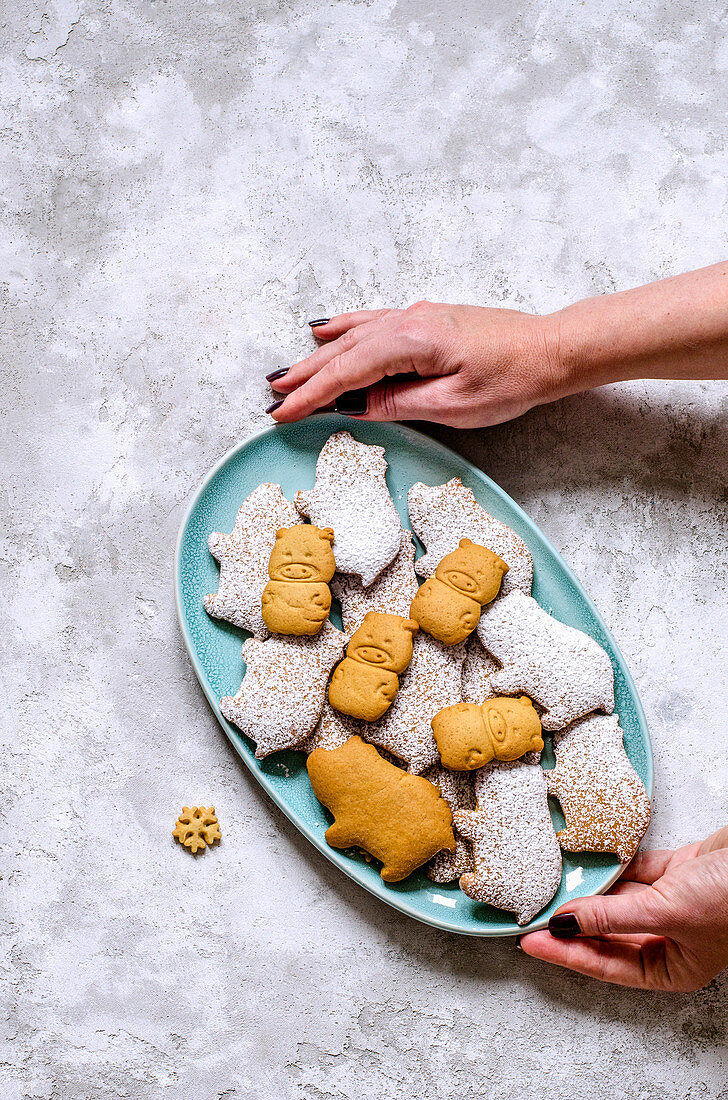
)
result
[(715, 841), (623, 912), (335, 326), (647, 867), (364, 364), (617, 961), (306, 368), (407, 398)]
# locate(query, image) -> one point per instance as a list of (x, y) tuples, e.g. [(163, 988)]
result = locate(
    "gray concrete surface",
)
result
[(183, 185)]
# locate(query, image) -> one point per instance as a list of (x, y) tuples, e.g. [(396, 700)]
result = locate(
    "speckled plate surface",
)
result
[(287, 455)]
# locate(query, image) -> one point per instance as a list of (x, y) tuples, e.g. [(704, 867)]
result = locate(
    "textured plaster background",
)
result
[(183, 185)]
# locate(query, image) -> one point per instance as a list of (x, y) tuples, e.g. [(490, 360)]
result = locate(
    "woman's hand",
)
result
[(664, 925), (465, 366)]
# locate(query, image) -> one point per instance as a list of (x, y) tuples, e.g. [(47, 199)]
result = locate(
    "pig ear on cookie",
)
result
[(465, 543), (411, 625), (281, 532), (327, 533)]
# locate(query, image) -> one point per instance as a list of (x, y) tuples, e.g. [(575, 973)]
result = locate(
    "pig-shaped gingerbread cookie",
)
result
[(448, 605), (365, 683), (297, 599), (469, 736)]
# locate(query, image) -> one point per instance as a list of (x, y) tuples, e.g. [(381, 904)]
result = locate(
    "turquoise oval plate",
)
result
[(287, 455)]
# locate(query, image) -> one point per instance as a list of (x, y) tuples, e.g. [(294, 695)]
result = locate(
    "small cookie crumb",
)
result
[(196, 828)]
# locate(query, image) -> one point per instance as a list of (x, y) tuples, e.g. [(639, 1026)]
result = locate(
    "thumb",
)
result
[(406, 397), (611, 914)]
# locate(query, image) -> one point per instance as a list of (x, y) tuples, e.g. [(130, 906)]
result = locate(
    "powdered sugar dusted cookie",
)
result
[(351, 496), (431, 682), (604, 801), (282, 694), (516, 855), (391, 593), (243, 556), (458, 791), (333, 729), (562, 669), (441, 515), (478, 668)]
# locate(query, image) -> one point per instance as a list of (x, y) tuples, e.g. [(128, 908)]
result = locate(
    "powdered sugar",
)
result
[(458, 790), (243, 556), (605, 804), (351, 496), (391, 593), (441, 515), (478, 669), (516, 855), (562, 669), (432, 681), (282, 694)]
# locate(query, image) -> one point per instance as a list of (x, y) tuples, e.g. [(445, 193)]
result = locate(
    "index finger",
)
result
[(363, 365), (607, 960)]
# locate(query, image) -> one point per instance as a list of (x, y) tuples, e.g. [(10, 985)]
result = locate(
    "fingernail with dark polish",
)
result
[(276, 374), (351, 403), (319, 321), (518, 943), (276, 405), (564, 926)]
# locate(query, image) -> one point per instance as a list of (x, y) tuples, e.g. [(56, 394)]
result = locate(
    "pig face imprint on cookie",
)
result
[(297, 599), (366, 682), (351, 496)]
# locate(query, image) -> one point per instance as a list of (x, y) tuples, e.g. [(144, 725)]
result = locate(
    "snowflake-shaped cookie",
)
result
[(243, 556), (197, 827)]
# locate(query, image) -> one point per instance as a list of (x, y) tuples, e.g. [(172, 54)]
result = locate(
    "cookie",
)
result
[(458, 791), (365, 683), (398, 818), (196, 827), (563, 670), (431, 682), (351, 496), (478, 668), (443, 514), (604, 801), (391, 593), (469, 736), (333, 729), (282, 694), (297, 599), (243, 556), (448, 605), (516, 855)]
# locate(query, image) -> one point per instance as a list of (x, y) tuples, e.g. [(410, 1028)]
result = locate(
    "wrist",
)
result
[(580, 350)]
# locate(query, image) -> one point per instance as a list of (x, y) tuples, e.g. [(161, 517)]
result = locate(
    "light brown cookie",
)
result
[(351, 495), (391, 593), (516, 855), (365, 683), (458, 791), (243, 556), (431, 682), (562, 669), (448, 605), (604, 801), (443, 514), (282, 694), (296, 599), (398, 818), (469, 736), (196, 827)]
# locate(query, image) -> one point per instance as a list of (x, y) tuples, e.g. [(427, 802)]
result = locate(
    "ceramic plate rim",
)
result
[(412, 435)]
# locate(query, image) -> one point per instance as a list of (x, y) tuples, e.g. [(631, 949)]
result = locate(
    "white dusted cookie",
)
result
[(604, 801), (333, 730), (562, 669), (284, 687), (431, 682), (243, 556), (515, 852), (478, 668), (391, 593), (351, 495), (458, 790), (441, 515)]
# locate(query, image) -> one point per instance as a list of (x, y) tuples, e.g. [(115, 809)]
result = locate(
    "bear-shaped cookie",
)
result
[(297, 599), (604, 801), (448, 605), (400, 819), (365, 683), (469, 736)]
